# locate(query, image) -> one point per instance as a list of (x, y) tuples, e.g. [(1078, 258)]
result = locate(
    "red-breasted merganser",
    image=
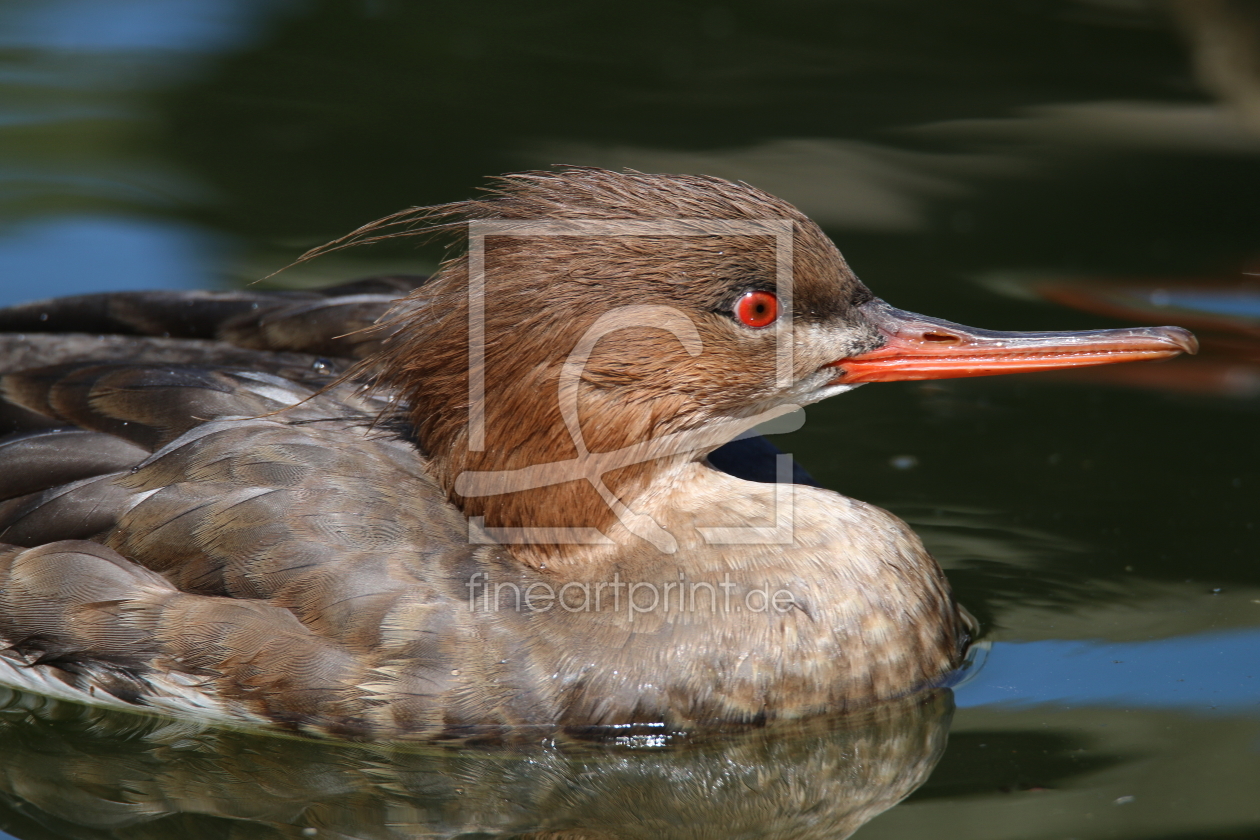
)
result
[(493, 508)]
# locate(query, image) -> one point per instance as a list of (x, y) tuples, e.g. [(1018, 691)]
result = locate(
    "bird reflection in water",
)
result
[(76, 771)]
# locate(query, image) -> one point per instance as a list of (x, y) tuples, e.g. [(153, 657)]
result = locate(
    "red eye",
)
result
[(757, 309)]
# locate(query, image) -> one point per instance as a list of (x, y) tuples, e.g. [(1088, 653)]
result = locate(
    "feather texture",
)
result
[(243, 505)]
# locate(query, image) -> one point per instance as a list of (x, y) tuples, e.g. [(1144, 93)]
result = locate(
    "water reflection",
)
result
[(1209, 673), (1224, 311), (1087, 772), (80, 255), (1064, 138), (837, 183), (184, 25), (1225, 40), (1067, 130), (73, 771), (90, 206)]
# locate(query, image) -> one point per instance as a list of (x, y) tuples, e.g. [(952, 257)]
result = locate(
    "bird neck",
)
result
[(552, 435), (560, 493)]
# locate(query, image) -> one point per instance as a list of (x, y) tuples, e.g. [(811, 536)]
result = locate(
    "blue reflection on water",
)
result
[(1240, 303), (71, 256), (1204, 673), (199, 25)]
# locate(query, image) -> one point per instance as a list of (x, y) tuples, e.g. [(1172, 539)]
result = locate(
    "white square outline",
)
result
[(478, 229)]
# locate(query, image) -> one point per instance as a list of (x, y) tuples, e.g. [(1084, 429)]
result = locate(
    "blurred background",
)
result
[(1010, 164)]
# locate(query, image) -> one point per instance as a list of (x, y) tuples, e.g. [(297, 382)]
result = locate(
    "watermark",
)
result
[(632, 597), (592, 466)]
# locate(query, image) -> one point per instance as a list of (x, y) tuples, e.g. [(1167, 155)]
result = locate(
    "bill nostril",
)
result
[(944, 338)]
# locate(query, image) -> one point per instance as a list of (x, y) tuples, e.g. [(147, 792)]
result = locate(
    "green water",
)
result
[(970, 159)]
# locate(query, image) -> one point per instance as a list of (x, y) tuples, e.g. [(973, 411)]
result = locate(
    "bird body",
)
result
[(480, 504)]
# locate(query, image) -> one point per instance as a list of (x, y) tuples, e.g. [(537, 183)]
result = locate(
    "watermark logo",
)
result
[(633, 597), (592, 466)]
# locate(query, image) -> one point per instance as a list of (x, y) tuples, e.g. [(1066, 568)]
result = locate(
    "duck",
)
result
[(482, 503)]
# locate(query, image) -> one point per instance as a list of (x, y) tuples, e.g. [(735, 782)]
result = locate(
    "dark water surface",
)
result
[(1018, 165)]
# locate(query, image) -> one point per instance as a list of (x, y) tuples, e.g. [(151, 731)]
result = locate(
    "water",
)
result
[(1010, 165)]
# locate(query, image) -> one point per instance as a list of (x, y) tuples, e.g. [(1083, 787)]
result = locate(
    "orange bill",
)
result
[(918, 347)]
